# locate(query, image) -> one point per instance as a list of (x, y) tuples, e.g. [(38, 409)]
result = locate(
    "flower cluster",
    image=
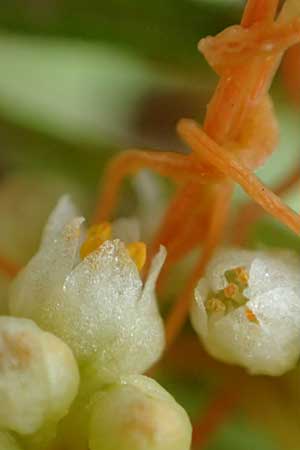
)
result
[(83, 327)]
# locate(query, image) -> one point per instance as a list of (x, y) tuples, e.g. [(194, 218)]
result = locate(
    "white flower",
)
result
[(97, 305), (137, 413), (38, 376), (247, 310)]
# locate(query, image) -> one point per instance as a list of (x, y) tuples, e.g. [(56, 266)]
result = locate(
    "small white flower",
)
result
[(38, 376), (137, 413), (247, 310), (98, 305)]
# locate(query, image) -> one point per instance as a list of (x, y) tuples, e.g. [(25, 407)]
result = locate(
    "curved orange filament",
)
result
[(251, 212), (175, 217), (218, 217), (229, 165), (174, 165), (217, 412)]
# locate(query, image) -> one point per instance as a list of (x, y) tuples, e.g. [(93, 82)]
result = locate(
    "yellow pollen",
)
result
[(231, 290), (138, 252), (250, 315), (96, 235), (215, 305), (242, 275)]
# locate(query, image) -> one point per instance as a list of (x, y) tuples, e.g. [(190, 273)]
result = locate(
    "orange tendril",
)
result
[(240, 131), (217, 412)]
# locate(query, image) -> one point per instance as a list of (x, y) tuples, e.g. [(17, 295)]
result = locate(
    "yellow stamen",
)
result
[(96, 235), (250, 315), (242, 275), (231, 290), (215, 305), (138, 252)]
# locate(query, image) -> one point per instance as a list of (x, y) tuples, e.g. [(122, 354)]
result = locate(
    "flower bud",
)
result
[(98, 305), (38, 376), (137, 413), (7, 442), (247, 310)]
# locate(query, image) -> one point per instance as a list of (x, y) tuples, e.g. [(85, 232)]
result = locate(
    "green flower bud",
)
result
[(38, 376), (138, 414)]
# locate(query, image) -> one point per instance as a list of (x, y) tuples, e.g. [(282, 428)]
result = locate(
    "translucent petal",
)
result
[(46, 271), (96, 301), (64, 213)]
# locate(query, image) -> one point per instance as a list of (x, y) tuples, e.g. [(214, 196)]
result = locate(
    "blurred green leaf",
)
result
[(25, 150), (166, 30), (271, 234), (81, 92)]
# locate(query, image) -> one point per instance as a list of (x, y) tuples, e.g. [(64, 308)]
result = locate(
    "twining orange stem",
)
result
[(218, 411), (251, 212), (174, 165), (228, 93), (244, 86), (9, 268), (175, 216), (219, 213), (194, 230), (259, 10), (229, 165)]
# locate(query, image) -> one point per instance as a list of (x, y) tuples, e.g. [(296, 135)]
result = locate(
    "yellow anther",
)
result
[(96, 235), (215, 305), (242, 275), (231, 290), (138, 252), (251, 316)]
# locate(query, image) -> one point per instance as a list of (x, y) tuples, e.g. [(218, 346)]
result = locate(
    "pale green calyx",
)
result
[(247, 310), (138, 414)]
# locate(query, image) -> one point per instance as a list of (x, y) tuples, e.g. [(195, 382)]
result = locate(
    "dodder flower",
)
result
[(137, 413), (247, 310), (98, 305), (38, 376)]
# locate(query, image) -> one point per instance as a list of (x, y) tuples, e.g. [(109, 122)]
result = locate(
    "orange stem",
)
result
[(9, 268), (219, 213), (259, 10), (214, 417), (251, 212), (230, 166), (176, 166)]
